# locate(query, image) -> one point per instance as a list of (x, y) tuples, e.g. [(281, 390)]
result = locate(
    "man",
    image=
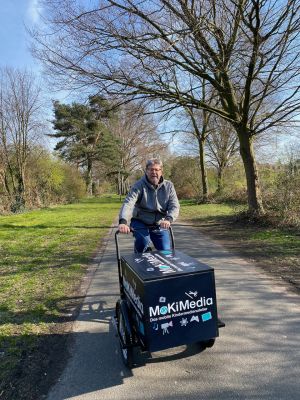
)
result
[(151, 205)]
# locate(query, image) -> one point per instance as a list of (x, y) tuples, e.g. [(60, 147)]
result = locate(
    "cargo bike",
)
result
[(167, 299)]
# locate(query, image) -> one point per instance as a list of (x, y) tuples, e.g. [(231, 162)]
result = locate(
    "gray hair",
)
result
[(154, 161)]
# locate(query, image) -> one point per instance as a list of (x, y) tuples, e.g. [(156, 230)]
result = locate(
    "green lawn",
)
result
[(191, 211), (277, 250), (44, 254), (277, 240)]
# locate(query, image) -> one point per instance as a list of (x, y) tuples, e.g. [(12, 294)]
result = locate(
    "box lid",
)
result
[(163, 264)]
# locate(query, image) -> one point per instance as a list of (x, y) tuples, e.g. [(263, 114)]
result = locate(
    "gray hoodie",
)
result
[(149, 204)]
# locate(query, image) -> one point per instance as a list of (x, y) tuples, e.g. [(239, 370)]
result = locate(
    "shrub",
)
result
[(51, 181), (72, 187), (185, 175), (287, 193)]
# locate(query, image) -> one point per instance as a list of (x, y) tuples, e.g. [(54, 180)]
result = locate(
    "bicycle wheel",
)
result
[(126, 352)]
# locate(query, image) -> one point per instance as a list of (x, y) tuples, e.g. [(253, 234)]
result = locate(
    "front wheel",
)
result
[(126, 352), (208, 343)]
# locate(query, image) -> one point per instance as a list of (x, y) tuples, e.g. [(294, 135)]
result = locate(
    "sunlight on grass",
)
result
[(191, 211), (280, 243), (277, 245), (44, 254)]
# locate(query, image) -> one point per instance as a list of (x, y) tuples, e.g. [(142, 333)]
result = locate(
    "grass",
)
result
[(204, 212), (44, 254), (276, 250)]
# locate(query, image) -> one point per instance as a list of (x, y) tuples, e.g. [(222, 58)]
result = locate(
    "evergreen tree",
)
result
[(84, 136)]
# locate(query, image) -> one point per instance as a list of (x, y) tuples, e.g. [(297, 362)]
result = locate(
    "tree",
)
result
[(84, 135), (286, 196), (222, 148), (247, 51), (201, 131), (21, 107), (184, 172), (51, 180), (137, 139), (216, 144)]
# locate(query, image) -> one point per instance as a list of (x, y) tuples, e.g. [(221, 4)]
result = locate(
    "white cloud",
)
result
[(33, 10)]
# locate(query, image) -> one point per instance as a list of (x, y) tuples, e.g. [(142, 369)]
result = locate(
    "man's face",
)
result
[(154, 173)]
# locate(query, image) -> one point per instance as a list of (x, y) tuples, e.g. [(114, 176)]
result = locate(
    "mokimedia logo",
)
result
[(179, 306)]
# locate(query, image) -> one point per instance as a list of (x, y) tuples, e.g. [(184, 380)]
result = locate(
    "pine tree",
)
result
[(84, 136)]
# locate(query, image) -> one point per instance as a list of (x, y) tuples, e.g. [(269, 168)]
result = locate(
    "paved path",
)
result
[(257, 355)]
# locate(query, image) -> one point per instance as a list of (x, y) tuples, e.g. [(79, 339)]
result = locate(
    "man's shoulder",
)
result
[(140, 183), (167, 183)]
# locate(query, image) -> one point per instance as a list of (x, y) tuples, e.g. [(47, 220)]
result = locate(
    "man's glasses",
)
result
[(153, 169)]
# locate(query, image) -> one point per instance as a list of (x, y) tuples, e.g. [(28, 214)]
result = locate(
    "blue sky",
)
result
[(14, 42), (15, 16)]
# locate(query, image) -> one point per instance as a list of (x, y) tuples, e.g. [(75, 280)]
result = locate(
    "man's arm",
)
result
[(127, 209), (173, 205)]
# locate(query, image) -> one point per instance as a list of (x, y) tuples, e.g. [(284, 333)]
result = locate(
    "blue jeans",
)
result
[(143, 234)]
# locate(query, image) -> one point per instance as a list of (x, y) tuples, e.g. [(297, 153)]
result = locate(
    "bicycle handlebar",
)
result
[(137, 229)]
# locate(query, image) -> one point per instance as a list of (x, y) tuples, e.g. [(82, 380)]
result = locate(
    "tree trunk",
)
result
[(5, 183), (119, 189), (220, 177), (204, 180), (122, 185), (255, 205), (126, 186), (19, 201), (89, 186)]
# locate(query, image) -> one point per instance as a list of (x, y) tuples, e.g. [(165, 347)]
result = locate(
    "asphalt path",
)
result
[(257, 355)]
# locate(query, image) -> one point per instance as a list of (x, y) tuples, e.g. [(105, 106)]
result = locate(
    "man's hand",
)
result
[(123, 228), (165, 224)]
